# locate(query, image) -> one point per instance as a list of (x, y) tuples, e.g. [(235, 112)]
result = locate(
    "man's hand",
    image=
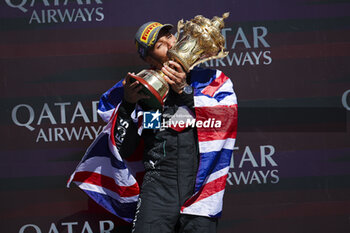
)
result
[(175, 76), (132, 92)]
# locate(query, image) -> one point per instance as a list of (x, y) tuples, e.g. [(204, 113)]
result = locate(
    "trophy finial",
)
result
[(218, 22), (226, 15)]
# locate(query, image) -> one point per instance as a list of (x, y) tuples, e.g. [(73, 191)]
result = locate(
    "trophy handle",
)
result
[(156, 101), (222, 54), (180, 25)]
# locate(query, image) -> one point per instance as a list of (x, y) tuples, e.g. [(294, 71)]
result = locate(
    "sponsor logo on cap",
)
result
[(148, 30)]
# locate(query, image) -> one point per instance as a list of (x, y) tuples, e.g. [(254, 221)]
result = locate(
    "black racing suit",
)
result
[(171, 163)]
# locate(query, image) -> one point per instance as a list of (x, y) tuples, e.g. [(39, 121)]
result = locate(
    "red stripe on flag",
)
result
[(207, 190), (106, 182), (227, 115), (215, 85), (114, 119)]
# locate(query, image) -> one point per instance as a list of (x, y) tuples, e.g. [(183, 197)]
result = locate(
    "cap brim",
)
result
[(165, 26)]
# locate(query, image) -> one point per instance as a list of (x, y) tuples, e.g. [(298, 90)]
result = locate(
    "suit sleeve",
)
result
[(125, 131)]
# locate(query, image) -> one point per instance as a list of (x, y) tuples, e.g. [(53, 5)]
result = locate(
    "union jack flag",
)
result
[(113, 182)]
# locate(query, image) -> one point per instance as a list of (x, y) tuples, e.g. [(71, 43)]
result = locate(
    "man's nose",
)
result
[(170, 43)]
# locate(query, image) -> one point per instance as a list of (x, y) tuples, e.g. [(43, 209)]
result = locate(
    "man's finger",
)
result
[(137, 88), (127, 79), (168, 80), (134, 84), (171, 70), (177, 66), (169, 74)]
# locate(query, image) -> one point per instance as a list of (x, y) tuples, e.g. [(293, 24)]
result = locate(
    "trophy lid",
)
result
[(218, 22)]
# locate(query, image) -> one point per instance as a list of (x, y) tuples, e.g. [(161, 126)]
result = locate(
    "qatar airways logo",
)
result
[(246, 46), (58, 122), (59, 11), (104, 226), (253, 165)]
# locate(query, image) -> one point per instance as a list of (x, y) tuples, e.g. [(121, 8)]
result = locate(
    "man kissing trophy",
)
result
[(201, 41), (180, 184)]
